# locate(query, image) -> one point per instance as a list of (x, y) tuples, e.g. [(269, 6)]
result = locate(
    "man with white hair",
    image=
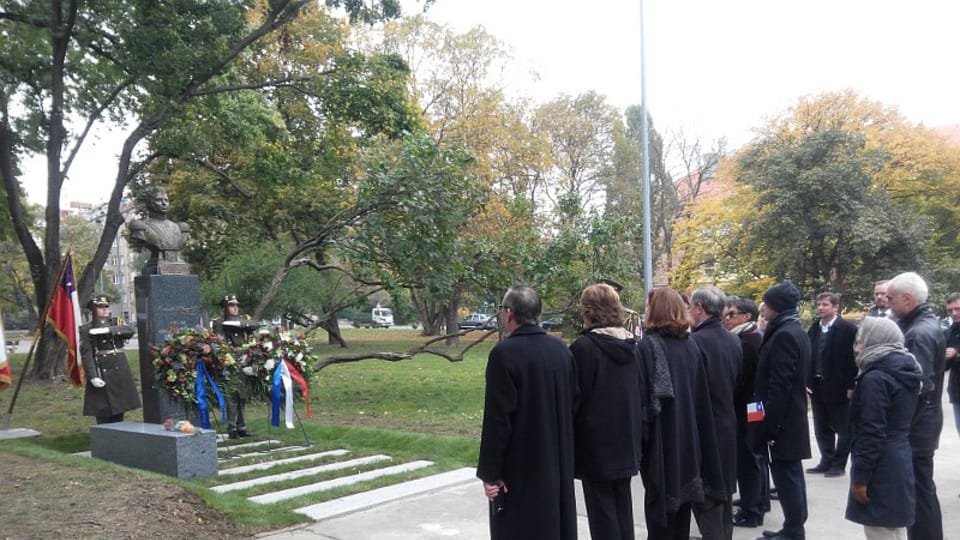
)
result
[(907, 299)]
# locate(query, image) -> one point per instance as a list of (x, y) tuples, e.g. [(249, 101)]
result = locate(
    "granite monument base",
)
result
[(150, 447), (165, 304)]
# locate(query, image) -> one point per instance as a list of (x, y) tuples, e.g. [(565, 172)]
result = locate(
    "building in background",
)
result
[(121, 265)]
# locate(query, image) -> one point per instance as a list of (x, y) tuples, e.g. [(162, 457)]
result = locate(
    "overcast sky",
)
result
[(714, 68)]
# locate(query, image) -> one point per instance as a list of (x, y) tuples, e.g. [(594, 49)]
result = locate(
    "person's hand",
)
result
[(849, 393), (859, 492), (492, 490), (97, 382), (248, 370)]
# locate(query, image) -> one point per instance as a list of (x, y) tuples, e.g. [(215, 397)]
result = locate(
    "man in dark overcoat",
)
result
[(110, 389), (833, 369), (951, 364), (526, 445), (753, 473), (723, 358), (907, 298), (781, 388)]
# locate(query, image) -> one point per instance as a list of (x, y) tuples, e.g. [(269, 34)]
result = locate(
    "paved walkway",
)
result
[(459, 511)]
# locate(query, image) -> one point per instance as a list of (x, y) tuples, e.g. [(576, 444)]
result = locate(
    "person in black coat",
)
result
[(882, 485), (723, 356), (110, 390), (907, 298), (609, 423), (951, 364), (781, 388), (681, 468), (753, 474), (526, 442), (832, 371)]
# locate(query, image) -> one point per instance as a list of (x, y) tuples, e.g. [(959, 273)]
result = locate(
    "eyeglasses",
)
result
[(729, 314), (502, 307)]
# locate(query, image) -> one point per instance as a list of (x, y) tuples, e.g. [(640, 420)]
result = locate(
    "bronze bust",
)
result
[(162, 237)]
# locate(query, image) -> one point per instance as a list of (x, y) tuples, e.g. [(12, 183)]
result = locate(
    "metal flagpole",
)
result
[(647, 251), (36, 338)]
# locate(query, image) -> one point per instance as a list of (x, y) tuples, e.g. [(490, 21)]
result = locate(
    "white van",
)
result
[(382, 317)]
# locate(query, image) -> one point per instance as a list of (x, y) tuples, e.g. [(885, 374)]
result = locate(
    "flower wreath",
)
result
[(278, 366), (176, 364)]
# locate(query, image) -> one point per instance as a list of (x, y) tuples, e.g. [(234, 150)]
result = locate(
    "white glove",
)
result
[(97, 382), (248, 370)]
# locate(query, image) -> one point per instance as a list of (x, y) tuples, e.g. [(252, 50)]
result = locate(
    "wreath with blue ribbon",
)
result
[(196, 367)]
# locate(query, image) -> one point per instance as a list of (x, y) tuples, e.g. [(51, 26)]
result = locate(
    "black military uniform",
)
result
[(236, 331), (110, 389)]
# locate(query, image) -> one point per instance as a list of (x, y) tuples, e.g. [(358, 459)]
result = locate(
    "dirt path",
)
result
[(39, 499)]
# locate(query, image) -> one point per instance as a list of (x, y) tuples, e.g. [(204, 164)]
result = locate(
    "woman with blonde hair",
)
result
[(608, 426), (681, 467)]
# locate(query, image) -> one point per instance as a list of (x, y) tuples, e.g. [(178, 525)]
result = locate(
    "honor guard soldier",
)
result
[(236, 331), (110, 390)]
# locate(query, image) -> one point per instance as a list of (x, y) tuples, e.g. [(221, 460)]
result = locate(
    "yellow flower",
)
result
[(171, 375)]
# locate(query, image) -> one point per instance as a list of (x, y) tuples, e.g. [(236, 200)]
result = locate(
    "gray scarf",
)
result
[(879, 337)]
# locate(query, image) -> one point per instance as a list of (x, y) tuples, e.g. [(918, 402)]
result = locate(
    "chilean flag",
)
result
[(64, 315), (755, 411)]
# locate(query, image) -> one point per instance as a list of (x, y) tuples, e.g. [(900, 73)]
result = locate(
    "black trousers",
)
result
[(831, 426), (752, 480), (110, 419), (609, 508), (677, 527), (929, 522), (792, 491)]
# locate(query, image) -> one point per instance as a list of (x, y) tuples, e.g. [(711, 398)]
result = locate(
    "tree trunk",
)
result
[(451, 316), (49, 357), (334, 337), (428, 313)]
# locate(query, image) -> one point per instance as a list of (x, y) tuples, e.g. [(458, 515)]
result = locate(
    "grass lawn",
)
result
[(423, 408)]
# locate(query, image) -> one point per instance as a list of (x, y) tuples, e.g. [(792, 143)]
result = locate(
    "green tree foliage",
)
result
[(816, 199), (423, 241), (70, 66)]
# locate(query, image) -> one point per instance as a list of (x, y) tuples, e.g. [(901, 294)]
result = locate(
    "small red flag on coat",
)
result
[(755, 412), (64, 315)]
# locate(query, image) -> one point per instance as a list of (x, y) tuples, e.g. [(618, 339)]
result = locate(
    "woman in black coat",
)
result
[(680, 466), (609, 423), (882, 487)]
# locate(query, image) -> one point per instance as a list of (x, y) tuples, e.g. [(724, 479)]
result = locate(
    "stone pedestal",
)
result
[(165, 304), (152, 448)]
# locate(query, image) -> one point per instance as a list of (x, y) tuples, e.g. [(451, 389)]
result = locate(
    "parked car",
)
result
[(551, 324), (478, 320)]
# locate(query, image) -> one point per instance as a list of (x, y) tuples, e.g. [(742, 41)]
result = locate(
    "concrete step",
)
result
[(264, 453), (319, 469), (325, 485), (369, 499), (270, 464), (255, 444)]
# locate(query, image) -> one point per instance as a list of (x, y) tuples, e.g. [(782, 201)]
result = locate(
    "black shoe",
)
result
[(833, 473), (771, 534), (232, 434), (818, 469), (244, 433), (740, 520), (780, 536)]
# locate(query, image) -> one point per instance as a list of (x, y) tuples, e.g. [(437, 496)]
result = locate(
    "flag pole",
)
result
[(43, 324)]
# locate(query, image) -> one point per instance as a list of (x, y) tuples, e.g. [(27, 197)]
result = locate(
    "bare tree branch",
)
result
[(423, 348)]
